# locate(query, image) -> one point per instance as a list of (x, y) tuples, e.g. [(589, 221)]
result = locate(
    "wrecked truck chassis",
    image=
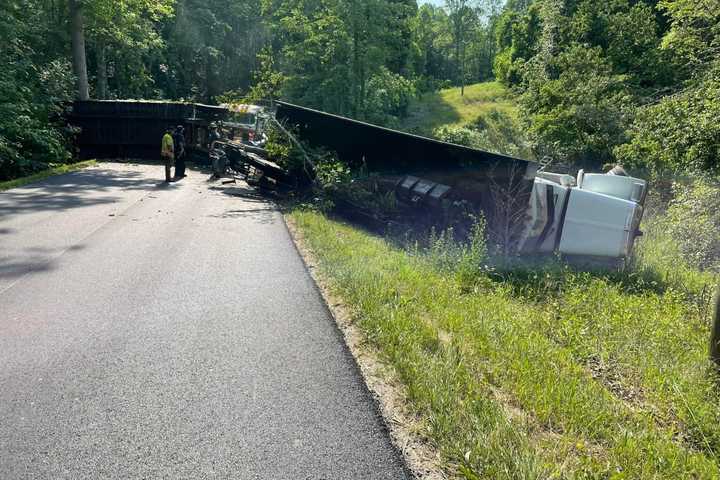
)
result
[(528, 212)]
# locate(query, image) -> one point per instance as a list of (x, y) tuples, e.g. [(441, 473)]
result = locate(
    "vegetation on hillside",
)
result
[(448, 108), (596, 82), (538, 370)]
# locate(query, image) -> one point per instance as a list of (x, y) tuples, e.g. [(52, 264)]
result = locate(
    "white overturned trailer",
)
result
[(595, 215)]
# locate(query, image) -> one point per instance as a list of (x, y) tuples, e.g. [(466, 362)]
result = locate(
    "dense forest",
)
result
[(634, 81)]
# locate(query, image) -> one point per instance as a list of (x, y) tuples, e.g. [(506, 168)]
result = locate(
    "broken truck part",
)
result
[(527, 210)]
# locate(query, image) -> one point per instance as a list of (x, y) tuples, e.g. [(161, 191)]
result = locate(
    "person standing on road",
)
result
[(213, 136), (167, 152), (215, 160), (179, 148)]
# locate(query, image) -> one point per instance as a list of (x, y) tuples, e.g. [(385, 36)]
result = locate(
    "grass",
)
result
[(448, 107), (541, 372), (72, 167)]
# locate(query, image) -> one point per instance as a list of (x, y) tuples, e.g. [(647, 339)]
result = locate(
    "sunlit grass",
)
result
[(19, 182), (538, 373), (448, 107)]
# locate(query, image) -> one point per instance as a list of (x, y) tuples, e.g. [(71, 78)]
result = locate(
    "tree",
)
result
[(77, 32), (122, 34), (35, 81), (432, 39), (463, 15), (212, 47)]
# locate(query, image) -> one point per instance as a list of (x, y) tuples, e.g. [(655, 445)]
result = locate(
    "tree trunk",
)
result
[(715, 333), (77, 35), (101, 71), (462, 72), (356, 73)]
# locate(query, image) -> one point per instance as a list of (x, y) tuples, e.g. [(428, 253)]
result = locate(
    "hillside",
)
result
[(448, 108)]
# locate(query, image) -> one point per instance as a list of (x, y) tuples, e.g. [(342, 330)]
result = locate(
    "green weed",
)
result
[(546, 372)]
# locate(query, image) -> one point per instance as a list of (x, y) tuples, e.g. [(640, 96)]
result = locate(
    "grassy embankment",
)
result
[(19, 182), (449, 108), (542, 373)]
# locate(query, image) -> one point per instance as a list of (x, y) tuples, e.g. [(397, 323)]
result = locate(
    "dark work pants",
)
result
[(180, 166)]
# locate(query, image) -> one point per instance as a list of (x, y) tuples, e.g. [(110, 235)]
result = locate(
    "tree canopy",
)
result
[(633, 81)]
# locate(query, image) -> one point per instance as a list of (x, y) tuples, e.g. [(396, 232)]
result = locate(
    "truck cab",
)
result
[(245, 123), (592, 215)]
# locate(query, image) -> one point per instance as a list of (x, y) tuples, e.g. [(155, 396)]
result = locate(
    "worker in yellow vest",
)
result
[(167, 153)]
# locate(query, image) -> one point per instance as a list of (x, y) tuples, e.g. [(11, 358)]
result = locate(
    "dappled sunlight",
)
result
[(447, 107), (76, 190)]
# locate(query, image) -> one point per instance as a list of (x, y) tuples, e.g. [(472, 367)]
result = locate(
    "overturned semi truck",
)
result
[(590, 215)]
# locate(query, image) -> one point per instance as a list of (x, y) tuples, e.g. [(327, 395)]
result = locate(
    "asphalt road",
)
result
[(151, 331)]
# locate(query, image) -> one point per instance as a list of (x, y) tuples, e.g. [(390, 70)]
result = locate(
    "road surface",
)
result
[(170, 331)]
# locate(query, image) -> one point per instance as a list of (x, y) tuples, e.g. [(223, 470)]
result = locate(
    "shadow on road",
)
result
[(13, 268), (75, 190), (37, 259)]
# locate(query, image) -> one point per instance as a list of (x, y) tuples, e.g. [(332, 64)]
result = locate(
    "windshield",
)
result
[(244, 118)]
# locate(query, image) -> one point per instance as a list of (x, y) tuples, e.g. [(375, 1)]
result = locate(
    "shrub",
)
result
[(388, 98), (466, 258), (693, 220), (581, 115), (680, 133), (495, 131), (459, 136)]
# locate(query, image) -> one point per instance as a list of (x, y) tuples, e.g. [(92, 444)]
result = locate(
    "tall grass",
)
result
[(449, 108), (538, 371)]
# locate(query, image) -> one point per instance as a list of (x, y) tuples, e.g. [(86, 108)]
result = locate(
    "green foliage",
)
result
[(33, 86), (679, 133), (459, 136), (494, 131), (346, 57), (125, 37), (448, 107), (541, 372), (693, 220), (516, 36), (466, 260), (501, 133), (210, 48), (694, 34), (619, 80), (582, 114), (267, 81), (331, 173), (388, 99), (286, 153)]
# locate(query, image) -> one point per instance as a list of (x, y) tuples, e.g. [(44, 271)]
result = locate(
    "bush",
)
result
[(693, 220), (32, 91), (580, 116), (465, 259), (495, 131), (459, 135), (388, 98), (680, 133)]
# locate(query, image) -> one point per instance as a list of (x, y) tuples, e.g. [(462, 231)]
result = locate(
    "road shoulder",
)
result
[(422, 459)]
